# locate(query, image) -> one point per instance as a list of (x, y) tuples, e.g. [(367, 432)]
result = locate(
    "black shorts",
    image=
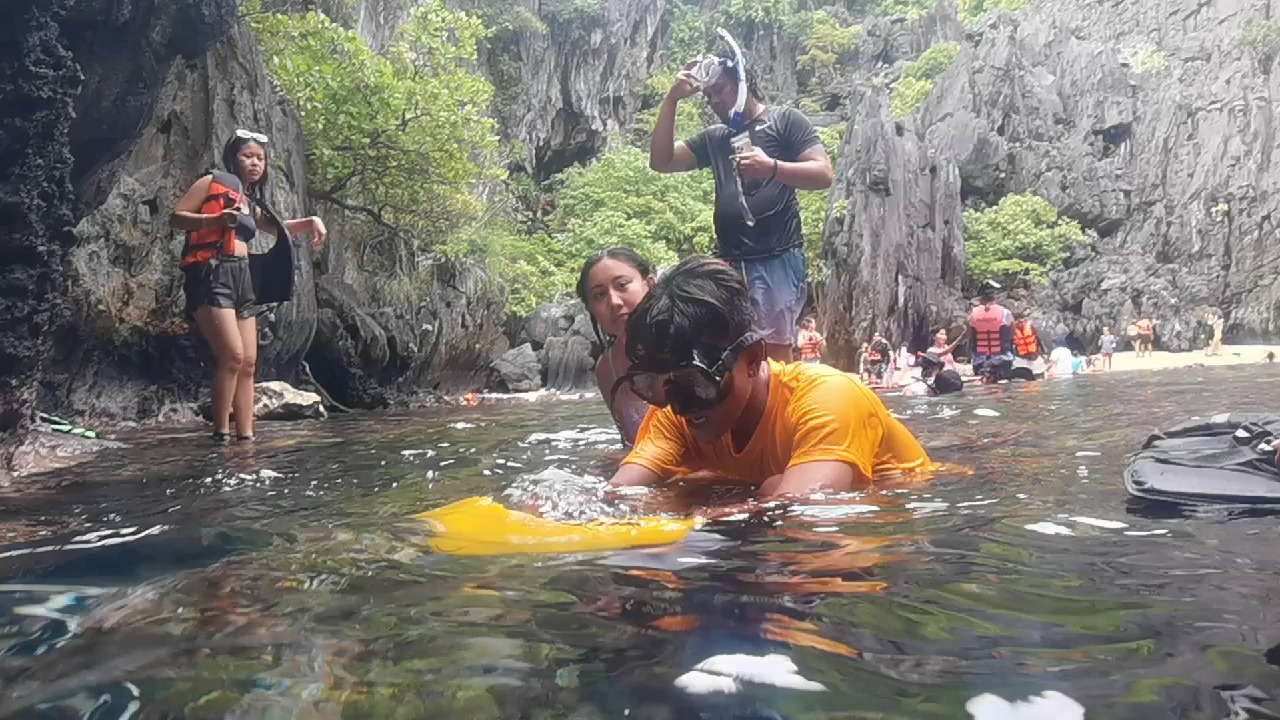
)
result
[(219, 283)]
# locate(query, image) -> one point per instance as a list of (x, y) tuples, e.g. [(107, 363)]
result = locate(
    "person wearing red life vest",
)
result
[(991, 336), (221, 214)]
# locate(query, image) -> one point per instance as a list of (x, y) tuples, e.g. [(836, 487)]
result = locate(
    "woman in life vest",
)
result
[(221, 214), (810, 342), (991, 329), (611, 284)]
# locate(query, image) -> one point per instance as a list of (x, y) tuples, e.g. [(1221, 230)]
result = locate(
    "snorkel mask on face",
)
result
[(708, 69), (692, 385)]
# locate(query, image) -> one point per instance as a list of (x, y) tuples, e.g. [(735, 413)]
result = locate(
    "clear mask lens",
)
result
[(707, 70)]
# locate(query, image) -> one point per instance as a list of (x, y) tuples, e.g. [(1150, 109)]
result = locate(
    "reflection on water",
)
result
[(286, 580)]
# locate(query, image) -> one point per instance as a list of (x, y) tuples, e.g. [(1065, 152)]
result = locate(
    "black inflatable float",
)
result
[(1227, 459)]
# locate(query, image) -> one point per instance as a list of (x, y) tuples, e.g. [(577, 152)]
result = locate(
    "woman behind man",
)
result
[(222, 213), (611, 284)]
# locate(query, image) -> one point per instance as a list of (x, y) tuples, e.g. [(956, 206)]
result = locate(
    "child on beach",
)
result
[(1107, 344)]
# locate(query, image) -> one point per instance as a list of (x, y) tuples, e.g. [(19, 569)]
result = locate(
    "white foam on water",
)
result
[(1146, 532), (728, 674), (1049, 705), (1088, 453), (1108, 524), (986, 412), (1049, 528), (978, 502)]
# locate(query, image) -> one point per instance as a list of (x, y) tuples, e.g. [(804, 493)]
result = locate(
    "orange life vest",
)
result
[(1024, 341), (809, 348), (986, 322), (873, 353), (204, 244), (1145, 327)]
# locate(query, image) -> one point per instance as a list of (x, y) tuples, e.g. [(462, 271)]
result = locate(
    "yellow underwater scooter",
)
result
[(480, 526)]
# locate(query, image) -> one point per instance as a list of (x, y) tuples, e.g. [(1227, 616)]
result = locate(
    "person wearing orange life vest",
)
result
[(810, 342), (221, 214), (991, 336), (1028, 350)]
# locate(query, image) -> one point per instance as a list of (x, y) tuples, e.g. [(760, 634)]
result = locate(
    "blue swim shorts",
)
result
[(779, 288)]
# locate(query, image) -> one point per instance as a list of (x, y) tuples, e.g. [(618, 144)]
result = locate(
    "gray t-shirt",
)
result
[(1108, 343), (784, 134)]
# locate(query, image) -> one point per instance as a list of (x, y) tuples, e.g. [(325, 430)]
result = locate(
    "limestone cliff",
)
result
[(74, 98), (1150, 123)]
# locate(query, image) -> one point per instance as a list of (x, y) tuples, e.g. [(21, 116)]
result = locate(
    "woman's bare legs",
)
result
[(219, 327), (243, 401)]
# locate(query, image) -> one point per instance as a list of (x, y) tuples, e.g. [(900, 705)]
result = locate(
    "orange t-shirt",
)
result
[(814, 413)]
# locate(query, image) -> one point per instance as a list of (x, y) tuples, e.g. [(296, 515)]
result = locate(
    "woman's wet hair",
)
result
[(624, 255), (701, 301), (231, 163)]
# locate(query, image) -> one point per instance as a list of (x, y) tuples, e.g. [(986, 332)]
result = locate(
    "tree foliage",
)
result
[(917, 79), (1021, 237), (973, 12), (825, 43), (618, 200), (397, 138)]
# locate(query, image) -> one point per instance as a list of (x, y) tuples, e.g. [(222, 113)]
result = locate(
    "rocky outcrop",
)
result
[(75, 96), (1152, 125), (374, 349), (566, 344), (39, 81), (519, 369), (571, 77)]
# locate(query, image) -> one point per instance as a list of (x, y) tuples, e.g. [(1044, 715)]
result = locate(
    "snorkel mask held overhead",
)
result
[(706, 71)]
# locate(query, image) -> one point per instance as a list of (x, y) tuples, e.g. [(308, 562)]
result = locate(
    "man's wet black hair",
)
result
[(623, 255), (231, 163), (731, 71), (700, 302)]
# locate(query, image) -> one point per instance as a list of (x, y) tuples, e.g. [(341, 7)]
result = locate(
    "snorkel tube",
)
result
[(739, 62)]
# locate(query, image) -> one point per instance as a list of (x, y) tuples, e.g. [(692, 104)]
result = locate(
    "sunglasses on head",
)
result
[(251, 135), (690, 386)]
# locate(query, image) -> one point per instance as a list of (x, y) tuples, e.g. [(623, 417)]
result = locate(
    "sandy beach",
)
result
[(1231, 355)]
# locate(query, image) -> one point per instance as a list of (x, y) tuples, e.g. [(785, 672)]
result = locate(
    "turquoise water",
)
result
[(287, 580)]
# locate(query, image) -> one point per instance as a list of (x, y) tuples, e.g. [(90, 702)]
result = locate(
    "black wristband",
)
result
[(774, 174)]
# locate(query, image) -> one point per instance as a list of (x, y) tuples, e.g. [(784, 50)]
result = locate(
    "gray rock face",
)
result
[(564, 89), (1148, 123), (368, 353), (565, 342), (520, 369), (75, 95)]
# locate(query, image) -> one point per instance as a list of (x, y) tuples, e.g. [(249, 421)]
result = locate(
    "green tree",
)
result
[(618, 200), (397, 139), (825, 43), (1021, 237), (973, 12), (916, 83)]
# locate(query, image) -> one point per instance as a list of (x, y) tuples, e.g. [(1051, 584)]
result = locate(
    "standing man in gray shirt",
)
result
[(760, 156)]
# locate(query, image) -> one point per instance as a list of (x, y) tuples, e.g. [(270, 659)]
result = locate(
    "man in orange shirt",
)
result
[(721, 406)]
